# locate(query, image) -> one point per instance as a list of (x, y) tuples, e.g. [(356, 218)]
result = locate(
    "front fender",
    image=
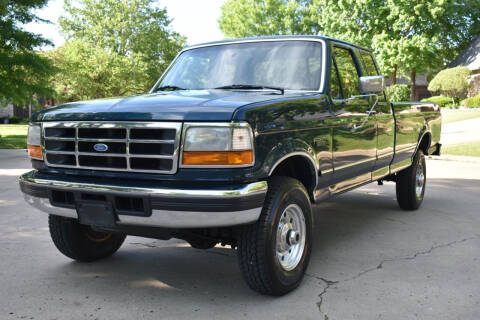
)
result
[(289, 148)]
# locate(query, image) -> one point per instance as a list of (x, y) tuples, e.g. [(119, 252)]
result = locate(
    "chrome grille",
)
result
[(125, 146)]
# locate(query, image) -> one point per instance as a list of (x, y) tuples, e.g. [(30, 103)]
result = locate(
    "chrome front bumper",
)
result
[(169, 208)]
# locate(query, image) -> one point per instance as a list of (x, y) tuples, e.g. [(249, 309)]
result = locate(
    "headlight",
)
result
[(33, 142), (207, 139), (218, 145)]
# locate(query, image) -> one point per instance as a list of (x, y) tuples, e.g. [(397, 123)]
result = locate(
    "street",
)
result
[(370, 260)]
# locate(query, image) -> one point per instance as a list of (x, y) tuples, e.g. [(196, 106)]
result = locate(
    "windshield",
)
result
[(291, 65)]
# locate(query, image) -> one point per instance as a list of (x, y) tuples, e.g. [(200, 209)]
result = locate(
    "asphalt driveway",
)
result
[(370, 261)]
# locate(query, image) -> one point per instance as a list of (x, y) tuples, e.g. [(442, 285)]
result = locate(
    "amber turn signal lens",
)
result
[(217, 158), (34, 152)]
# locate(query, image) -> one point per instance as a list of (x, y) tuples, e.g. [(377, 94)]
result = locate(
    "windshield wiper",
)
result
[(251, 86), (168, 88)]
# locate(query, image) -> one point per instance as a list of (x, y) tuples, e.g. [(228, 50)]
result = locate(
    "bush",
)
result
[(398, 92), (451, 82), (442, 101), (14, 120), (473, 102)]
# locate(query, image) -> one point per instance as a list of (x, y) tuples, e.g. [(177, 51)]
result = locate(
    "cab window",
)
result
[(347, 70), (369, 63)]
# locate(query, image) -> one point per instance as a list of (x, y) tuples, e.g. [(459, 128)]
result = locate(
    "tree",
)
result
[(23, 72), (87, 71), (407, 36), (451, 82), (244, 18), (113, 48)]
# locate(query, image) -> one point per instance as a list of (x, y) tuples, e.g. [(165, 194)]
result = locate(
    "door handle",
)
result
[(371, 112)]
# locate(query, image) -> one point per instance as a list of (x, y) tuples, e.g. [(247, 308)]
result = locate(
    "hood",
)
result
[(184, 105)]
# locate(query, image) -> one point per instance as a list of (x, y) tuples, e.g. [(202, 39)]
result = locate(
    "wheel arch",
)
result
[(424, 142), (299, 165)]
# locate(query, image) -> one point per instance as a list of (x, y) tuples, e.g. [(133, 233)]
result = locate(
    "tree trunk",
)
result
[(393, 76), (413, 78)]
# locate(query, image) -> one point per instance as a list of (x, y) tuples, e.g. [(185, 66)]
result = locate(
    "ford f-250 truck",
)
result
[(232, 145)]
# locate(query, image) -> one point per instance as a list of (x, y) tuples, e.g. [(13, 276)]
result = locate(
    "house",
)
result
[(10, 110), (5, 113), (470, 57)]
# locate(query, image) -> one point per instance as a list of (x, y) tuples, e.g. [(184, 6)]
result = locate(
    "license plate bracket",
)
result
[(96, 213)]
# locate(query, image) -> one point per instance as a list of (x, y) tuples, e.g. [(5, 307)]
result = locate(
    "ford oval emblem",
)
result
[(100, 147)]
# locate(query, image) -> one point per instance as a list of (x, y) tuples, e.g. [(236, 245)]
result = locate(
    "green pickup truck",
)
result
[(233, 145)]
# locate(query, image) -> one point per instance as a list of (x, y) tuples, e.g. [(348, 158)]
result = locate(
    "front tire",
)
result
[(274, 252), (80, 242), (411, 183)]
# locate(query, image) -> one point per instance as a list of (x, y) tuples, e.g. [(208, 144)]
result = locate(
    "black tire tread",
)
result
[(67, 237), (251, 243), (405, 186), (57, 233)]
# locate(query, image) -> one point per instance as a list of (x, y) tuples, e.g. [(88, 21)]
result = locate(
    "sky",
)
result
[(194, 19)]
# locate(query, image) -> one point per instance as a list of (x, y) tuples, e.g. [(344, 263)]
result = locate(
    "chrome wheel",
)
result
[(291, 235), (419, 180), (274, 252)]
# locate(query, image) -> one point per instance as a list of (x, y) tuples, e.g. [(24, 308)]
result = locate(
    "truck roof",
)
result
[(260, 38)]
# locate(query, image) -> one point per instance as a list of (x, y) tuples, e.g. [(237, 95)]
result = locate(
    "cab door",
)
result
[(354, 125), (385, 122)]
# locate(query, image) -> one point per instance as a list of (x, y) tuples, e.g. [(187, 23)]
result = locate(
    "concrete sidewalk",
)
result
[(370, 260)]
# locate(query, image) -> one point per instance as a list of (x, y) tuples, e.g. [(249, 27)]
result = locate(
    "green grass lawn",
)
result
[(471, 149), (13, 136), (455, 116)]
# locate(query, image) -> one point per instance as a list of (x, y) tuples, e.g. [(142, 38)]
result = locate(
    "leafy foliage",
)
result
[(473, 102), (113, 48), (245, 18), (407, 36), (14, 120), (451, 82), (404, 33), (87, 72), (23, 72), (398, 92)]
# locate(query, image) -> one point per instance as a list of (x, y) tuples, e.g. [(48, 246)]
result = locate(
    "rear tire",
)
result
[(411, 183), (80, 242), (274, 252)]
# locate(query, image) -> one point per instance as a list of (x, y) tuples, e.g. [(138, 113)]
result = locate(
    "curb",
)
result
[(455, 158)]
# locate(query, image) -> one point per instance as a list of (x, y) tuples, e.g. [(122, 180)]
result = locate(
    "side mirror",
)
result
[(372, 84)]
